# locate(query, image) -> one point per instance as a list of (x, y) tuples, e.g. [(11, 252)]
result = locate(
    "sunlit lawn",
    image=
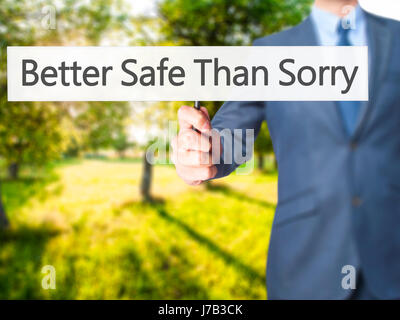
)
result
[(85, 218)]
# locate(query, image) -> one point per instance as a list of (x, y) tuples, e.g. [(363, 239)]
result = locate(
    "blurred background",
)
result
[(76, 191)]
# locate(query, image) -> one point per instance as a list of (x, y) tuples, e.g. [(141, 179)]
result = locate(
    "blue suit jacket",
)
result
[(338, 196)]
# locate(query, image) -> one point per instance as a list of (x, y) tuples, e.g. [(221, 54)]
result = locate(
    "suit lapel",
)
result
[(379, 40), (307, 35)]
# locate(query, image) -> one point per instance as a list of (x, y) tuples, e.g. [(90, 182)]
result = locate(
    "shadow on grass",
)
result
[(165, 279), (21, 261), (226, 256), (17, 192), (184, 264), (140, 285), (228, 191)]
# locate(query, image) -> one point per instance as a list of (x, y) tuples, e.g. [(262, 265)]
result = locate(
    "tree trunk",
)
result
[(145, 185), (13, 170), (260, 161), (3, 217)]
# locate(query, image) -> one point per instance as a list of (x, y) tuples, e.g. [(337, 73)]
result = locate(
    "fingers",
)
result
[(187, 157), (192, 150), (189, 139), (192, 158), (190, 117)]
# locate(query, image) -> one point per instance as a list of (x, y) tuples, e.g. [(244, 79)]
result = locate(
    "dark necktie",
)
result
[(348, 109)]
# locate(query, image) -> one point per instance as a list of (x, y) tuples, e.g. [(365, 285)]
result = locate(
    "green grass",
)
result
[(86, 219)]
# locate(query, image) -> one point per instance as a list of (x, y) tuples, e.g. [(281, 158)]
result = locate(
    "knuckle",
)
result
[(187, 138), (207, 173), (200, 120), (189, 158), (180, 157), (206, 145), (199, 158), (181, 111), (207, 159)]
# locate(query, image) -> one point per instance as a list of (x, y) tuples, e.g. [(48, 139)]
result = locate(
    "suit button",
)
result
[(356, 202)]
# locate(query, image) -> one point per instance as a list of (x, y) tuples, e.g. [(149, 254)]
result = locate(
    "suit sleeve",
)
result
[(232, 120)]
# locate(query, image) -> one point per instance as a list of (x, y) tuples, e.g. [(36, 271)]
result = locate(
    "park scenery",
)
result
[(79, 198)]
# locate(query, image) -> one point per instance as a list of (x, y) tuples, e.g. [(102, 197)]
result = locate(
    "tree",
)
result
[(101, 123), (146, 116), (147, 175), (30, 132), (120, 142), (3, 217)]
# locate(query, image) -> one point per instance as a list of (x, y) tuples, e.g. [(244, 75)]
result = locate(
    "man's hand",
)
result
[(192, 150)]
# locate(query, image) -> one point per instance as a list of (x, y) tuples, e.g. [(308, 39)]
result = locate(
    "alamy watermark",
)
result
[(349, 280), (47, 16), (49, 278), (349, 17), (226, 146)]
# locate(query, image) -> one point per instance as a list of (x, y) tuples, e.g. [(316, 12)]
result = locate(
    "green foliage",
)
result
[(101, 123), (121, 143), (29, 132), (34, 132), (227, 22)]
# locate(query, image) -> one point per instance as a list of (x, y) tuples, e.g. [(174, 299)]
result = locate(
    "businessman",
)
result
[(338, 206)]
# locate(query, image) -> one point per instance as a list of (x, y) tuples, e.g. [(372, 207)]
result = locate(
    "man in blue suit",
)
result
[(339, 167)]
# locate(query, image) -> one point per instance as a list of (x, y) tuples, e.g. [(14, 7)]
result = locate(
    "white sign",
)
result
[(187, 73)]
